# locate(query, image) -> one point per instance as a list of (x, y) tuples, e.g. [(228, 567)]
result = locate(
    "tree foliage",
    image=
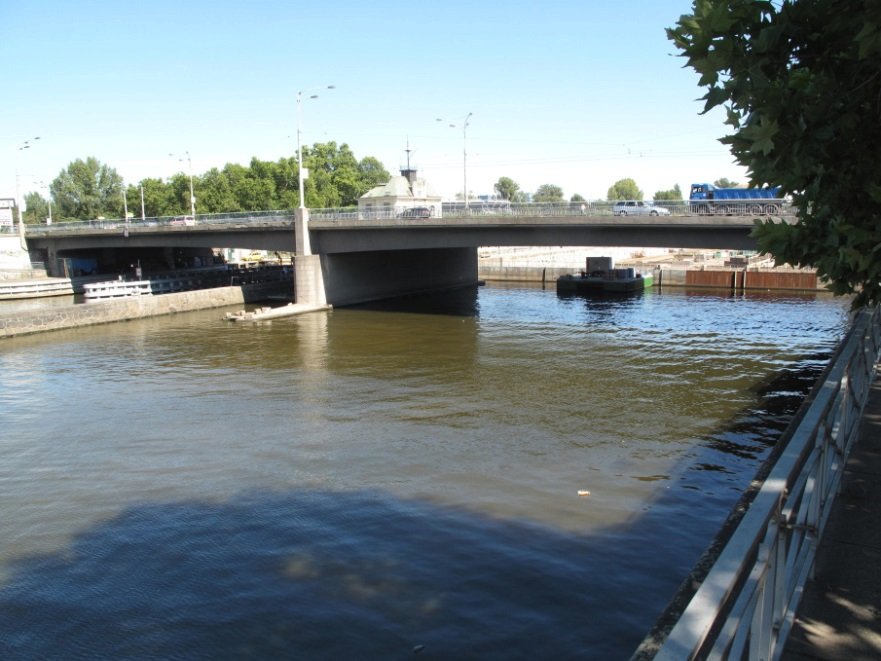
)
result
[(507, 189), (802, 88), (725, 183), (36, 208), (548, 193), (88, 189), (624, 189), (674, 194)]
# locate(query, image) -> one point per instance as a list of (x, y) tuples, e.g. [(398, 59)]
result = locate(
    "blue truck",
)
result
[(708, 199)]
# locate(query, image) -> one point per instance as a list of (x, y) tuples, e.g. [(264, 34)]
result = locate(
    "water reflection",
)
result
[(379, 478)]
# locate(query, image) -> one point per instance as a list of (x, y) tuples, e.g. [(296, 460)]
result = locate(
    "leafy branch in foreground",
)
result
[(801, 83)]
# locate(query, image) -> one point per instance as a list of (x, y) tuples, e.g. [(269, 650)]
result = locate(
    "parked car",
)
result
[(637, 208), (415, 212)]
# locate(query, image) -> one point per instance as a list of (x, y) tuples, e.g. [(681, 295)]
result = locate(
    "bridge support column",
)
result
[(308, 280), (301, 232)]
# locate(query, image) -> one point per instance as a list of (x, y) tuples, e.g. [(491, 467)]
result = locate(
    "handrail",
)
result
[(746, 605), (450, 210)]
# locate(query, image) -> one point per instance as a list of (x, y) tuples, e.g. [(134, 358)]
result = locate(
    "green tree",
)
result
[(216, 193), (157, 198), (577, 198), (674, 194), (87, 189), (36, 209), (336, 178), (507, 188), (624, 189), (179, 194), (799, 81), (725, 183), (372, 173), (548, 193)]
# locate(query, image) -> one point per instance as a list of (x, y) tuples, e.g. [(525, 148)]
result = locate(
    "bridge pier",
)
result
[(309, 280)]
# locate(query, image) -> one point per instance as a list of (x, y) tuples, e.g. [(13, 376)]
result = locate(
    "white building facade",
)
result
[(404, 195)]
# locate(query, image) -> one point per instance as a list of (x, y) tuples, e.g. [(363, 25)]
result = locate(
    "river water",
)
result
[(381, 481)]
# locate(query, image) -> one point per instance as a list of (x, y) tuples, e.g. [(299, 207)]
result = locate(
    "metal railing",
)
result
[(746, 605), (450, 210), (747, 208), (189, 280)]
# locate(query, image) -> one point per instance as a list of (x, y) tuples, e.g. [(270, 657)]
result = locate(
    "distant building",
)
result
[(400, 196)]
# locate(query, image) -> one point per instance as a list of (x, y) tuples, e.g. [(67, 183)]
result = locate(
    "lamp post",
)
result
[(190, 172), (49, 202), (302, 216), (25, 145), (43, 184), (464, 154), (303, 174)]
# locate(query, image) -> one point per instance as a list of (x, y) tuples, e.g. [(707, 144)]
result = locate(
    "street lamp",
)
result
[(190, 172), (43, 184), (464, 154), (25, 145), (302, 174)]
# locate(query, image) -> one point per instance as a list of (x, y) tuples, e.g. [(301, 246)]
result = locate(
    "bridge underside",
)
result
[(358, 277)]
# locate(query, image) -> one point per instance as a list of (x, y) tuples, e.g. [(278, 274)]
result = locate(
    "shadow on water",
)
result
[(758, 428), (324, 574), (319, 574), (330, 574), (461, 302)]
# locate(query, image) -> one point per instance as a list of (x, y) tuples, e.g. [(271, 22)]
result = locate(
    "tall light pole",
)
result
[(43, 184), (303, 174), (301, 228), (190, 172), (18, 202), (49, 202), (464, 154)]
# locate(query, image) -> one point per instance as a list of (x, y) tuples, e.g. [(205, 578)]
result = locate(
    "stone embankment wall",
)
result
[(103, 312)]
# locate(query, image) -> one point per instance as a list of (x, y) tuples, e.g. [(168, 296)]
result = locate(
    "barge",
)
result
[(601, 277)]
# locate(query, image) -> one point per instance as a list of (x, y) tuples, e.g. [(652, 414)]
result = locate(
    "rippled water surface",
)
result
[(382, 480)]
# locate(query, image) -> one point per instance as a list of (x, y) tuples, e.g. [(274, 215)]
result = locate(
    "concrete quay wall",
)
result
[(543, 274), (141, 307), (733, 279)]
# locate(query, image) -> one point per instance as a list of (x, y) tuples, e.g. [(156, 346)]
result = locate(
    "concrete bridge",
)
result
[(346, 258)]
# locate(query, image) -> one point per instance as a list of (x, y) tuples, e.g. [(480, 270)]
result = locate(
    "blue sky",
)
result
[(576, 93)]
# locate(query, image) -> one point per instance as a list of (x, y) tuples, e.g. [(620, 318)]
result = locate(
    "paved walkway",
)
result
[(840, 613)]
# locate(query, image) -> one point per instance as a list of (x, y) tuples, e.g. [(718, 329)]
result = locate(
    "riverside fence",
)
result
[(746, 604)]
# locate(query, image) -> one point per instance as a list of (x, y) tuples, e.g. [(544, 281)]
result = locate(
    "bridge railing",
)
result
[(478, 209), (746, 604), (450, 210), (234, 218)]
